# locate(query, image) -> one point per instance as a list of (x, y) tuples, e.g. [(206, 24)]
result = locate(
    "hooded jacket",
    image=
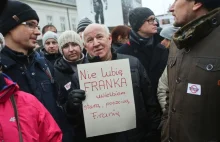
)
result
[(34, 74), (35, 121)]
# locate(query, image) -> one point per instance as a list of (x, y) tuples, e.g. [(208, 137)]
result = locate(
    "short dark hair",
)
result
[(120, 30), (46, 27)]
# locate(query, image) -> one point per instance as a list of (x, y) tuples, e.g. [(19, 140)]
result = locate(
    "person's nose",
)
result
[(95, 42), (36, 31), (172, 7)]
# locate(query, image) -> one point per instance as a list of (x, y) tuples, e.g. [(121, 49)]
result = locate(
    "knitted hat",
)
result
[(49, 35), (210, 4), (14, 14), (83, 23), (2, 41), (168, 32), (2, 5), (138, 16), (69, 36)]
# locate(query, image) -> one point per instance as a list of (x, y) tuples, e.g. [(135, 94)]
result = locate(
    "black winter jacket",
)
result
[(34, 74), (152, 55), (147, 115), (64, 75)]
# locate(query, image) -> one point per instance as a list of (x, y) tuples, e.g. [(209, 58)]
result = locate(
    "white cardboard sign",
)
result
[(109, 106)]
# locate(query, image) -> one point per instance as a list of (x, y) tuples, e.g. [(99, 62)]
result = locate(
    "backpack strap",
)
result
[(42, 61), (12, 98)]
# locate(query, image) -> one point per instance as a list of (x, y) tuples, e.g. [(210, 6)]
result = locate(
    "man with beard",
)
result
[(193, 110)]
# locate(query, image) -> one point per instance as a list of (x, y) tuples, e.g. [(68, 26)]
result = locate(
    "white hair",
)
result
[(106, 29)]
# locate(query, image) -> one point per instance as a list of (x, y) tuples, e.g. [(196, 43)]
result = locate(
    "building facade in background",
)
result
[(165, 20), (61, 13)]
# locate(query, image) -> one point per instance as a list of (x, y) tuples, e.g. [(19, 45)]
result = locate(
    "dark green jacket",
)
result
[(193, 113)]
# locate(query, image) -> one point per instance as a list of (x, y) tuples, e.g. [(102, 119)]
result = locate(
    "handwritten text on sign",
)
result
[(109, 105)]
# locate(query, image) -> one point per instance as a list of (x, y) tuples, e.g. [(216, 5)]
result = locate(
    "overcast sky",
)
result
[(157, 6)]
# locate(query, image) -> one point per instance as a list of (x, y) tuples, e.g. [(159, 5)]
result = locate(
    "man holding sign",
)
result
[(97, 42)]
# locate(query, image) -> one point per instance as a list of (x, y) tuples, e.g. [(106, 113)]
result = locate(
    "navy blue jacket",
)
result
[(34, 75)]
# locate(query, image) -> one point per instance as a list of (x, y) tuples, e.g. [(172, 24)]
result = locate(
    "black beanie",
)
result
[(210, 4), (14, 14), (138, 16)]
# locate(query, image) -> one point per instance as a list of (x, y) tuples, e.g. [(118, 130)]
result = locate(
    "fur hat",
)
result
[(69, 36), (83, 23), (49, 35), (14, 14), (138, 16)]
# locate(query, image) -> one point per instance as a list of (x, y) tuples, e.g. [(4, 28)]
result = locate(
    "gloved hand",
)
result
[(74, 102)]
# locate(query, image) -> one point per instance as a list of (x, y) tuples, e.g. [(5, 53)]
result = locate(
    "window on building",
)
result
[(49, 19), (74, 24), (165, 21), (62, 23)]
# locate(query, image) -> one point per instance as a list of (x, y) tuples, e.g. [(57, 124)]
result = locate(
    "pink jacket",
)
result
[(37, 125)]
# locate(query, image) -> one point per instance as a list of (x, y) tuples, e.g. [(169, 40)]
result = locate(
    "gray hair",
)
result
[(106, 29)]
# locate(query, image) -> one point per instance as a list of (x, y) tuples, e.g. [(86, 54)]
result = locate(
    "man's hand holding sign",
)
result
[(109, 105)]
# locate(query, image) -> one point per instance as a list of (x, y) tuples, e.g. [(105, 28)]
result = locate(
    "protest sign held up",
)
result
[(109, 105)]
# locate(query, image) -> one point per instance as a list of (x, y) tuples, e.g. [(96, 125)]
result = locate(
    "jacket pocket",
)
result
[(209, 64)]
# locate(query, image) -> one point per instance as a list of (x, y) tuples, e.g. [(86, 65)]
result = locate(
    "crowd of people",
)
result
[(175, 74)]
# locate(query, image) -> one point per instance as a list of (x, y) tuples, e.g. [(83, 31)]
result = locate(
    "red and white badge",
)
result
[(67, 86), (194, 89)]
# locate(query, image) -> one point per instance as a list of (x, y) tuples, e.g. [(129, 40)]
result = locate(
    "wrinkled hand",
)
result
[(74, 101)]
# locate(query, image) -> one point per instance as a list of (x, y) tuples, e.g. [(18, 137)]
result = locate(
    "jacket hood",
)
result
[(8, 87), (196, 30)]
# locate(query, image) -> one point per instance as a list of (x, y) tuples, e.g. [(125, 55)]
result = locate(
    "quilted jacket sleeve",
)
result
[(163, 90)]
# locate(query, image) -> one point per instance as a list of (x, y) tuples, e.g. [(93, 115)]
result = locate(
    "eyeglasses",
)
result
[(151, 21), (31, 25)]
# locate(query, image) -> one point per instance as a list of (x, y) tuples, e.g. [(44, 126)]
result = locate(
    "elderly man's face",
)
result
[(97, 41)]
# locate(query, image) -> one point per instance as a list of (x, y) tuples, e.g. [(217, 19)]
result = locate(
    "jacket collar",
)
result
[(65, 66), (196, 30), (8, 87), (134, 37), (10, 57)]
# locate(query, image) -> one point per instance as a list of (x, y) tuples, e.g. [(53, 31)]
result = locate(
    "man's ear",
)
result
[(197, 5), (84, 45), (110, 37)]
